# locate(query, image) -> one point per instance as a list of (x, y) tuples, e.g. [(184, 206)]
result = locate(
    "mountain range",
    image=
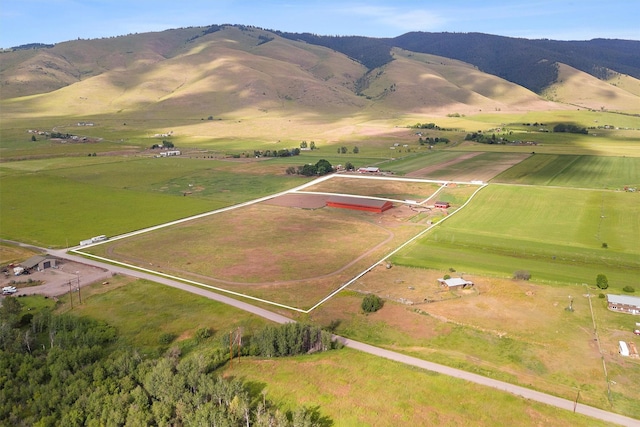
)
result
[(228, 69)]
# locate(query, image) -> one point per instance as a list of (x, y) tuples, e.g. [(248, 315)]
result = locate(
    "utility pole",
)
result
[(78, 278), (70, 294)]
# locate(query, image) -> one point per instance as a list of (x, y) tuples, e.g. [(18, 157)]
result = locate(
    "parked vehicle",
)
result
[(8, 290), (637, 332)]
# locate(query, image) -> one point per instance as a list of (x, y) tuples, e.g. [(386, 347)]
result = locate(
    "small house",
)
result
[(370, 169), (455, 282), (623, 349), (442, 205)]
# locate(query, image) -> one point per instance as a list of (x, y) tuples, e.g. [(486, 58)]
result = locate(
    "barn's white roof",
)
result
[(623, 299)]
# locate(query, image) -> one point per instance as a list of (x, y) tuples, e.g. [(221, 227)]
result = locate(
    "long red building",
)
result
[(359, 204)]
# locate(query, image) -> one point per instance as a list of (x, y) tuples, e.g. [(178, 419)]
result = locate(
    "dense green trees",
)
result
[(73, 373), (602, 281), (561, 127)]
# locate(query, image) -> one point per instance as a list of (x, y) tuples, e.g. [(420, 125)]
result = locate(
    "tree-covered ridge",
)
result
[(69, 370), (370, 52), (529, 63)]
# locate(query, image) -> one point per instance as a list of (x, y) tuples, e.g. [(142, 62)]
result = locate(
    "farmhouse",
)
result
[(38, 263), (455, 282), (369, 169), (442, 205), (359, 204), (624, 303)]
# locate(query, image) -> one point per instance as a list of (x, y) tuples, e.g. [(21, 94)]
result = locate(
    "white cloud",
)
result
[(396, 18)]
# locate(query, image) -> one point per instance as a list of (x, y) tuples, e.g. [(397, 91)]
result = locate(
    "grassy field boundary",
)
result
[(80, 250)]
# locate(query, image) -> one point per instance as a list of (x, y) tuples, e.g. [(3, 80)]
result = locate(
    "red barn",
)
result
[(442, 205), (359, 204)]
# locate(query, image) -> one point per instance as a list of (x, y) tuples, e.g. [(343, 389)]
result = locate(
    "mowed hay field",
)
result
[(575, 171), (516, 331), (555, 234)]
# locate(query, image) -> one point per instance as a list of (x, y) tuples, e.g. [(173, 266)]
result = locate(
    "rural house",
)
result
[(442, 205), (624, 303), (455, 282), (369, 169)]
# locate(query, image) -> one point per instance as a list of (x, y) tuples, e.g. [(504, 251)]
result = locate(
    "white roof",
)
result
[(624, 350), (623, 299), (454, 281)]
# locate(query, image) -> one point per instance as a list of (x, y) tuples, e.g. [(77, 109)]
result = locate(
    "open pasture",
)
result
[(285, 253), (517, 331), (389, 188), (575, 171), (555, 234), (58, 202)]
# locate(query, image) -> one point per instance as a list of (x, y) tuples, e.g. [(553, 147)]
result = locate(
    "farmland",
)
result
[(547, 213)]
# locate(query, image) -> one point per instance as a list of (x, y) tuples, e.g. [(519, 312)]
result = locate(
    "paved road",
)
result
[(376, 351)]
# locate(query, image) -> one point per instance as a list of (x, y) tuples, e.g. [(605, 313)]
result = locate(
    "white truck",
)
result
[(8, 290)]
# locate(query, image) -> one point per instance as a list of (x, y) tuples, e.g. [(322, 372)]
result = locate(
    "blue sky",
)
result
[(52, 21)]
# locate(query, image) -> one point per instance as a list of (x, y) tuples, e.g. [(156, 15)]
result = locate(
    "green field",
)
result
[(556, 234), (58, 203), (575, 171)]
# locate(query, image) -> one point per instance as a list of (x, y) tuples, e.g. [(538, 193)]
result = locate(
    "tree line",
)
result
[(72, 371)]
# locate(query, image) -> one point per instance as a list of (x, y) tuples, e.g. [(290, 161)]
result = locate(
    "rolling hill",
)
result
[(238, 71)]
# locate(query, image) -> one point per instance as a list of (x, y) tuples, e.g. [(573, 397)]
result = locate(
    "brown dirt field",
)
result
[(479, 172), (399, 190), (299, 200)]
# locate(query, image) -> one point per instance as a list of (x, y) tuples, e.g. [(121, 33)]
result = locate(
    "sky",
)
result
[(53, 21)]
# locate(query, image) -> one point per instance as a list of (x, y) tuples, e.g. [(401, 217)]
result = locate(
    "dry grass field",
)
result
[(514, 330), (284, 254)]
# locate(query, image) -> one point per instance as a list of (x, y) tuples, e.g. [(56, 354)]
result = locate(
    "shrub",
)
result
[(446, 277), (601, 295), (202, 334), (166, 338), (522, 275), (605, 245), (371, 303), (629, 289)]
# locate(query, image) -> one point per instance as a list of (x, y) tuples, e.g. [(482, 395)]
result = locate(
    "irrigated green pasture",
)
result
[(555, 234), (60, 202), (575, 171)]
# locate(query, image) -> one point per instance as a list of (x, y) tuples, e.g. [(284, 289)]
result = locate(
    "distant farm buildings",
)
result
[(624, 303), (170, 153), (36, 263), (359, 204), (370, 169), (442, 205), (455, 282)]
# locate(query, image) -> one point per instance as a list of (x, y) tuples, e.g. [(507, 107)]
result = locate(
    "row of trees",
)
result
[(68, 370), (285, 152), (561, 127), (321, 167), (345, 150), (433, 141)]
